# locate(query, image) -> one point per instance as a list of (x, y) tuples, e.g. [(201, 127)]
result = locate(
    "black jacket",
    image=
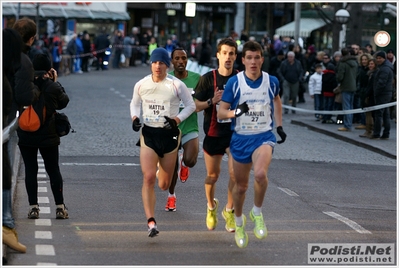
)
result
[(24, 90), (55, 99), (383, 79)]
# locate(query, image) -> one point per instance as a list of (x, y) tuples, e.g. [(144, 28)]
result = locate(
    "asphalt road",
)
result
[(321, 190)]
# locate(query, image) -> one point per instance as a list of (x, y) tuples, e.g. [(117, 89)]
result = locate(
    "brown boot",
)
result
[(10, 238), (366, 135)]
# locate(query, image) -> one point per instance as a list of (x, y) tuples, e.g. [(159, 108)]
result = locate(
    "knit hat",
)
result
[(390, 51), (41, 62), (381, 54), (160, 54)]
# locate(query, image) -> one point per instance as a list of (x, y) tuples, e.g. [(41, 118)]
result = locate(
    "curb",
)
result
[(349, 140)]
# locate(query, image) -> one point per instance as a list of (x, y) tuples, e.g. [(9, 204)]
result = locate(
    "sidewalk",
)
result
[(386, 148)]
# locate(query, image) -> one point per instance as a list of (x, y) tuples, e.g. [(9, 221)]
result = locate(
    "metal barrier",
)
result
[(7, 131)]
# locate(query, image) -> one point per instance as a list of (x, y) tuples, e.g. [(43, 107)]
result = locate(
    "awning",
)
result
[(61, 12), (306, 26)]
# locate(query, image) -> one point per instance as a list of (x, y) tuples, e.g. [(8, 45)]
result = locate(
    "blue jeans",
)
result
[(8, 220), (318, 103), (347, 104), (382, 117), (328, 106)]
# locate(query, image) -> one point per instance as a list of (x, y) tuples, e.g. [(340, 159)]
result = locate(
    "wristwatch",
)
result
[(209, 101)]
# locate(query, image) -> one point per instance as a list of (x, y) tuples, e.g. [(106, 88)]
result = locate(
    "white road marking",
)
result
[(41, 176), (47, 250), (43, 199), (100, 164), (46, 264), (43, 235), (43, 222), (45, 210), (41, 170), (42, 189), (355, 226), (288, 191)]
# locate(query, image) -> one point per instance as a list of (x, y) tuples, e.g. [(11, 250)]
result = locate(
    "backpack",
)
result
[(34, 116), (62, 124)]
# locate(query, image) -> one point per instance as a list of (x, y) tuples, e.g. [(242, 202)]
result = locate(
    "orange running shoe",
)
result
[(171, 204), (184, 172)]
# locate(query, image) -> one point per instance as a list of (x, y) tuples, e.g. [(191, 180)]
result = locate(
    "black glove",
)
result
[(241, 109), (282, 134), (170, 123), (136, 125)]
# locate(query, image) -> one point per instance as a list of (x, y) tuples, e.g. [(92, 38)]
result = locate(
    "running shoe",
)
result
[(212, 216), (230, 221), (184, 171), (152, 229), (171, 204), (240, 235), (61, 212), (33, 212), (260, 229)]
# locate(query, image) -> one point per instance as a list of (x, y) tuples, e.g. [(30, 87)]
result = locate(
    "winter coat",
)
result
[(315, 84), (346, 73), (24, 90), (328, 83), (55, 99), (383, 80)]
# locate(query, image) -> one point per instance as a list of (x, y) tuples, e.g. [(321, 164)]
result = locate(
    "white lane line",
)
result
[(43, 222), (43, 200), (100, 164), (41, 176), (42, 182), (288, 191), (41, 170), (47, 250), (43, 235), (355, 226), (44, 210), (46, 264), (42, 189)]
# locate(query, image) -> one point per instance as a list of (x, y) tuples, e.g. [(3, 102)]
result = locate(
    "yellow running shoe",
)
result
[(230, 221), (240, 235), (212, 216), (260, 229)]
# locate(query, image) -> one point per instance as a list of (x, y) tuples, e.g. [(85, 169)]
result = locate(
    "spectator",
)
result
[(135, 40), (382, 87), (326, 61), (127, 50), (369, 99), (328, 83), (144, 49), (391, 57), (291, 73), (356, 49), (192, 49), (275, 63), (152, 46), (346, 77), (101, 44), (45, 140), (310, 57), (118, 48), (56, 56), (206, 50), (79, 52), (86, 51), (169, 46), (315, 90), (12, 51), (277, 44), (71, 50), (302, 84), (361, 87), (336, 58), (370, 49)]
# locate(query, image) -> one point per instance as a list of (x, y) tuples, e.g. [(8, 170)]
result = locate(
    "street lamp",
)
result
[(342, 16)]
